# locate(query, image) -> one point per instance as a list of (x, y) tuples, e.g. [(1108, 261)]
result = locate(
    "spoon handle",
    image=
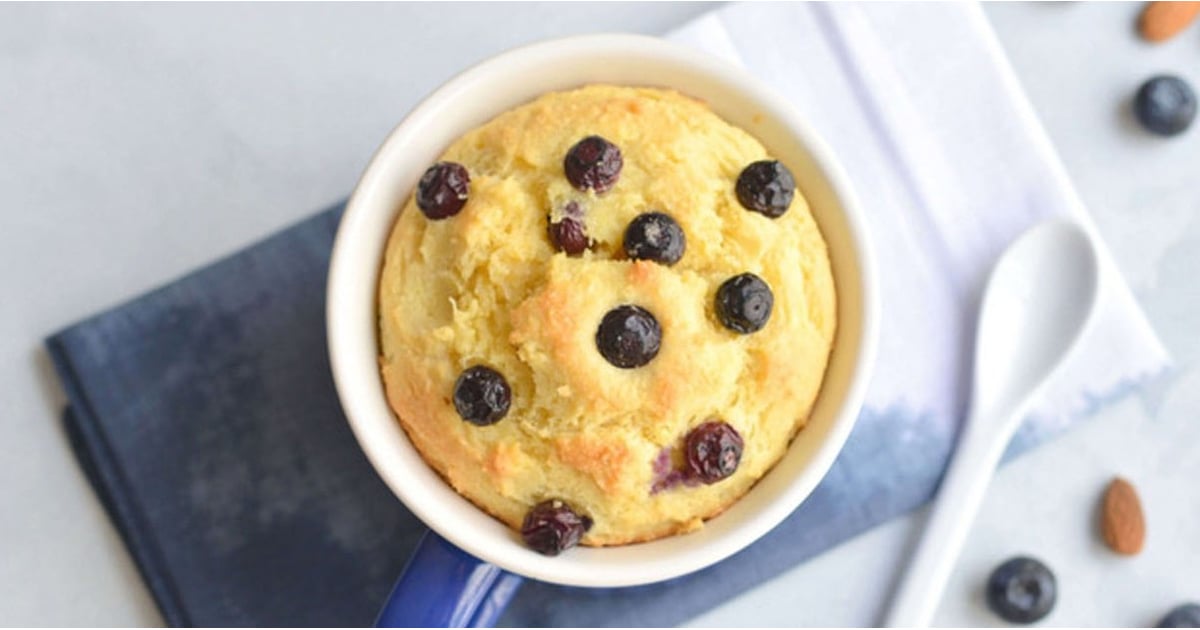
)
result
[(961, 492)]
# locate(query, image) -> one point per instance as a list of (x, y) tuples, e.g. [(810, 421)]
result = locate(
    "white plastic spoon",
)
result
[(1038, 300)]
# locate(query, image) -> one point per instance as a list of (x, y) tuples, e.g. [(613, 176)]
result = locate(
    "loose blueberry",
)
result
[(1184, 616), (481, 395), (593, 163), (744, 303), (552, 527), (713, 451), (1165, 105), (442, 191), (655, 236), (568, 233), (767, 187), (629, 336), (1022, 590)]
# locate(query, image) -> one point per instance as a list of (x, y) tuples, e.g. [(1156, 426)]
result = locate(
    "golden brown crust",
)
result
[(486, 287), (605, 461)]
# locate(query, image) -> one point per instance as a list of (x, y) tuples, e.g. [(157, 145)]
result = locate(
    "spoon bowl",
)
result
[(1038, 300)]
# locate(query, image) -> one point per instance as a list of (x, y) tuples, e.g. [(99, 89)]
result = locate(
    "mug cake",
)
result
[(604, 314)]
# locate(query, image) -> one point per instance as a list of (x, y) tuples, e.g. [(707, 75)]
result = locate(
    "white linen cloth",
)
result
[(950, 163)]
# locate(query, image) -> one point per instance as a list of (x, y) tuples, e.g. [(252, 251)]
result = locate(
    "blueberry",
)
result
[(593, 163), (744, 303), (713, 451), (767, 187), (552, 527), (442, 191), (629, 336), (481, 395), (1183, 616), (1022, 590), (655, 236), (1165, 105), (568, 233), (569, 236)]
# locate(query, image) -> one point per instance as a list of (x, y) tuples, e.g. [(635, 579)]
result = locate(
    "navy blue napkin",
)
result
[(205, 415)]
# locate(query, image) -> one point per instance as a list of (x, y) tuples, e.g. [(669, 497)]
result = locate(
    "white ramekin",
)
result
[(516, 77)]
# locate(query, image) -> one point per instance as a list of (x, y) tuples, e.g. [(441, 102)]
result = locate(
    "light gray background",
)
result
[(139, 142)]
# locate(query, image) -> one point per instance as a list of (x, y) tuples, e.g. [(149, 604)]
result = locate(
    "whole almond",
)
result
[(1161, 21), (1121, 520)]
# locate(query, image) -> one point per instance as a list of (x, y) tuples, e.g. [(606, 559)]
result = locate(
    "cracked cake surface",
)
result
[(537, 348)]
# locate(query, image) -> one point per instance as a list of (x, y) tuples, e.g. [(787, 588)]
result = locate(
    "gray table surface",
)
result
[(138, 142)]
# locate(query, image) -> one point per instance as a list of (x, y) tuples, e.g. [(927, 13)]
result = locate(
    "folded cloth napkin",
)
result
[(205, 416)]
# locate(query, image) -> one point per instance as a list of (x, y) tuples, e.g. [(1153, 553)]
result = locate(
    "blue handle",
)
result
[(445, 587)]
